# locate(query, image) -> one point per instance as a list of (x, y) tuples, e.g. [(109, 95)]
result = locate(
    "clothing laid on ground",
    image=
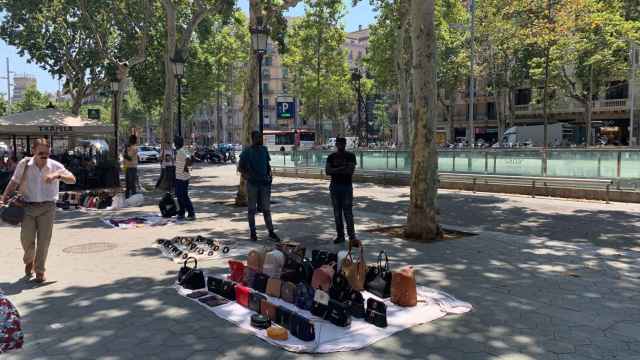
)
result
[(340, 159), (255, 160), (341, 190)]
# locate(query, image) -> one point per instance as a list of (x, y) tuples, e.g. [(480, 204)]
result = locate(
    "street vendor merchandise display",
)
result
[(199, 247), (99, 199), (313, 306)]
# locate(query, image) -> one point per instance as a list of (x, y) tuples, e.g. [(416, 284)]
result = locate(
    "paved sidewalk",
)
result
[(535, 297)]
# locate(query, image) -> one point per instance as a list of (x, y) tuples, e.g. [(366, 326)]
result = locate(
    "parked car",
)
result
[(147, 153)]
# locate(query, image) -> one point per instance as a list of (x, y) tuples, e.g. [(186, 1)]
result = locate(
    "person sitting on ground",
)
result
[(255, 168), (340, 166)]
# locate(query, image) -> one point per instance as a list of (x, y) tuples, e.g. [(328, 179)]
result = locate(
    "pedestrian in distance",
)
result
[(255, 168), (38, 180), (130, 164), (340, 166), (183, 162)]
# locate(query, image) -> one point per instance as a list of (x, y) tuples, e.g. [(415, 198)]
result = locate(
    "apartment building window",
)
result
[(285, 73), (268, 61), (491, 111), (265, 88), (523, 96), (265, 103), (285, 87), (617, 90)]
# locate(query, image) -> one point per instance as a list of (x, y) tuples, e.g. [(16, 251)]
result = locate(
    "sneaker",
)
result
[(254, 237), (338, 240), (191, 218), (274, 237)]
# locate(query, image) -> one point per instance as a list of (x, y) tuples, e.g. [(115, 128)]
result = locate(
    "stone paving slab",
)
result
[(533, 297)]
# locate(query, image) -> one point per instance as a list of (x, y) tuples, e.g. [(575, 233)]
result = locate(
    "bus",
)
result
[(301, 139)]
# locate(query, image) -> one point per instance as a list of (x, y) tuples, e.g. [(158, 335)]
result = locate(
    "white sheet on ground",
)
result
[(433, 304)]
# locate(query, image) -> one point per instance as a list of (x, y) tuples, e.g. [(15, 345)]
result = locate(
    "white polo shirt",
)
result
[(35, 188)]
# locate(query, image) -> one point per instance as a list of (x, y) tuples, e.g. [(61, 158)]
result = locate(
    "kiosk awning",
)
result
[(51, 121)]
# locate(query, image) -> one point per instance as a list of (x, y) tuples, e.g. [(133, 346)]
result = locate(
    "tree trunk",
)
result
[(422, 221), (404, 72), (249, 105), (78, 96), (589, 106), (500, 113), (545, 103)]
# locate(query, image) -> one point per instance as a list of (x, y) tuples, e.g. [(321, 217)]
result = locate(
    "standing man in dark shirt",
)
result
[(341, 165), (255, 168)]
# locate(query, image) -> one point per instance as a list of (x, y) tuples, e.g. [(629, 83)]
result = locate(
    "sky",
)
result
[(363, 14)]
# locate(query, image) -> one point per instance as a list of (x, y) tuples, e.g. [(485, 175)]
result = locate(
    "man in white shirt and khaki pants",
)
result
[(39, 187)]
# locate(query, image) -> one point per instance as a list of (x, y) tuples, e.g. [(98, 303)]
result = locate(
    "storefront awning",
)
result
[(51, 121)]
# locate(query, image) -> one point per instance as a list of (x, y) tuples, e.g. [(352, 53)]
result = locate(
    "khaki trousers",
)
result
[(38, 222)]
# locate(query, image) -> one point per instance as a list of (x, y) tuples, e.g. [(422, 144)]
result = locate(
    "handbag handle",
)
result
[(386, 259), (194, 259)]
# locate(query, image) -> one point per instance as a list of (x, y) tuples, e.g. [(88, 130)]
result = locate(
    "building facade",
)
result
[(20, 85)]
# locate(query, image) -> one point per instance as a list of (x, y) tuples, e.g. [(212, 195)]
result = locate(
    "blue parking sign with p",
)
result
[(286, 110)]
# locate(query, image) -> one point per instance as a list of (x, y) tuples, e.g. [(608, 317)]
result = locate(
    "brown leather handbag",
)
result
[(288, 291), (403, 287), (355, 270), (268, 309), (273, 287), (255, 259), (277, 333), (323, 277)]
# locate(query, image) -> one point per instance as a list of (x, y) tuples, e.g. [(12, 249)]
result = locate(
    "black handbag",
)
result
[(340, 288), (320, 306), (260, 282), (260, 321), (228, 290), (376, 313), (378, 278), (304, 296), (191, 278), (11, 214), (339, 313), (198, 294), (357, 305), (214, 284), (254, 301), (168, 207), (283, 316), (302, 328), (213, 300), (322, 257)]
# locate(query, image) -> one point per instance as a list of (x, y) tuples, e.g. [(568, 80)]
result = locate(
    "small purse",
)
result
[(376, 313), (283, 316), (292, 253), (242, 295), (277, 333), (260, 282), (255, 299), (268, 309), (357, 305), (259, 321), (274, 287), (213, 300), (288, 292), (255, 259), (379, 278), (304, 296), (339, 313), (320, 307), (323, 277), (237, 270), (302, 328), (228, 290), (248, 276), (214, 284), (191, 278)]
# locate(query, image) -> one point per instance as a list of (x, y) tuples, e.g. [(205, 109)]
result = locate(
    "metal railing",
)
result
[(566, 163)]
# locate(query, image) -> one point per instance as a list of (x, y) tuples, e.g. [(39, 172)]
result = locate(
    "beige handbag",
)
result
[(273, 287), (355, 270), (255, 259)]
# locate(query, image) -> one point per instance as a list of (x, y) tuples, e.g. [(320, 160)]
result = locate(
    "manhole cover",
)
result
[(90, 248)]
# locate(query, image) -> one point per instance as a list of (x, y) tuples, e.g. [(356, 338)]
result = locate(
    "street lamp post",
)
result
[(178, 64), (356, 76), (259, 39), (115, 87)]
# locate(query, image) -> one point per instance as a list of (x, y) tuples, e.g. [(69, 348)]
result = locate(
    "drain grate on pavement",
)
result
[(90, 248)]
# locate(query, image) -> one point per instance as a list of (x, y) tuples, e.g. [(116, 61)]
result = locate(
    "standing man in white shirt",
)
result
[(183, 161), (39, 179)]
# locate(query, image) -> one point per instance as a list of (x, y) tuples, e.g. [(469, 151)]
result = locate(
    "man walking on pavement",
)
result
[(183, 161), (340, 166), (255, 168), (130, 163), (38, 179)]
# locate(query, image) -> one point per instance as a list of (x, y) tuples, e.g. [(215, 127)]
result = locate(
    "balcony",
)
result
[(569, 106)]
